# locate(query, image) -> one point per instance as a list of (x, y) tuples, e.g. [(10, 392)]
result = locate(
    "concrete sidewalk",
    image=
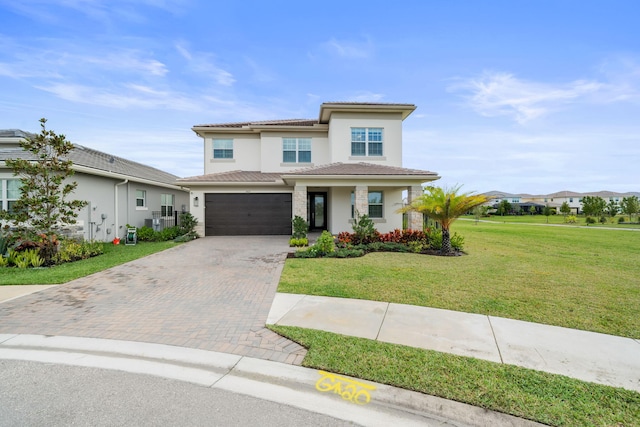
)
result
[(588, 356)]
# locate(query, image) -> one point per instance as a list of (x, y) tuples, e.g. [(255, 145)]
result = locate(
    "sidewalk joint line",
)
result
[(386, 310), (495, 339)]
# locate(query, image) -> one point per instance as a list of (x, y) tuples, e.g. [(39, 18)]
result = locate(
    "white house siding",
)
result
[(246, 153), (340, 136), (271, 150)]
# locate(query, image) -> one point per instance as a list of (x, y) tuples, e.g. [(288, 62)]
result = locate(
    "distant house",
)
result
[(555, 200), (118, 191), (258, 175)]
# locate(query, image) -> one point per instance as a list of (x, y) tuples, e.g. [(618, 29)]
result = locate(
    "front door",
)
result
[(317, 211)]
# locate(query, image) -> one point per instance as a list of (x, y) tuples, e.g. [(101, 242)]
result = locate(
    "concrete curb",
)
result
[(273, 381)]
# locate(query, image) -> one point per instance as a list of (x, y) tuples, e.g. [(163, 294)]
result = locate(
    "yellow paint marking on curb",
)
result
[(351, 390)]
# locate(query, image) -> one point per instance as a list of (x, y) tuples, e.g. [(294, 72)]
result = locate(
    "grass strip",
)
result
[(113, 255), (538, 396)]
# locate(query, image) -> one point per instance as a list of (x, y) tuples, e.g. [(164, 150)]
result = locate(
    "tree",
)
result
[(630, 206), (532, 210), (445, 205), (565, 210), (504, 207), (547, 211), (43, 207), (593, 205), (480, 211), (612, 208)]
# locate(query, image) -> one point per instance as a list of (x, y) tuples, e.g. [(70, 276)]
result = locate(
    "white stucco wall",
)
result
[(246, 153), (340, 126), (271, 150)]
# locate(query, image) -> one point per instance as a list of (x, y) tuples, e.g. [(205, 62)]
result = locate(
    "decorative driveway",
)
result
[(213, 293)]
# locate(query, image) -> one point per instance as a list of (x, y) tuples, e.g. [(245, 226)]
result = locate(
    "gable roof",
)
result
[(285, 122), (88, 160)]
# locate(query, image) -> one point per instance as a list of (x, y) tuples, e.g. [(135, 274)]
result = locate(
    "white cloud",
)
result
[(349, 49), (502, 94), (204, 64)]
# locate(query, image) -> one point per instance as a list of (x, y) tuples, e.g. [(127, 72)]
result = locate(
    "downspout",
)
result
[(116, 226)]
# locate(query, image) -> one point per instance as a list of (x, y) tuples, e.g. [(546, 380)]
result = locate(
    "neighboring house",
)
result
[(258, 175), (118, 191), (555, 200)]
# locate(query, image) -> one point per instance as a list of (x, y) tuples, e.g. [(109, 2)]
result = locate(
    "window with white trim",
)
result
[(376, 208), (141, 198), (376, 205), (166, 204), (9, 193), (222, 148), (366, 142), (296, 150)]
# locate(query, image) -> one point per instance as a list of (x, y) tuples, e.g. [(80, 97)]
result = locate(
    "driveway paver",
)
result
[(213, 293)]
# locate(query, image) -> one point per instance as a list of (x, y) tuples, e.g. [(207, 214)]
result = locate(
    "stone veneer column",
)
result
[(415, 220), (300, 201), (361, 204)]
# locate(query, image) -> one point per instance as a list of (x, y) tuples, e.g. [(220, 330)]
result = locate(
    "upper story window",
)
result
[(223, 148), (166, 204), (296, 150), (366, 141), (141, 198), (9, 193)]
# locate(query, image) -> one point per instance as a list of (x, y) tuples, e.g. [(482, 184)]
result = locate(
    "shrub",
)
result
[(146, 234), (187, 224), (4, 261), (364, 230), (603, 219), (325, 244), (571, 219), (72, 250), (346, 253), (620, 221), (300, 227), (590, 220), (298, 242)]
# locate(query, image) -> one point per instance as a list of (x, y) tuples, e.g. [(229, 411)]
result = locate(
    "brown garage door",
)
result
[(247, 214)]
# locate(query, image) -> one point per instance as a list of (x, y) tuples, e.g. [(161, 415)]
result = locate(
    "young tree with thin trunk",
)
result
[(565, 210), (630, 206), (445, 205), (43, 208)]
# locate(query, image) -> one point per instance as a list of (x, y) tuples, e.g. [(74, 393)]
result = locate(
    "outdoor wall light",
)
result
[(195, 201)]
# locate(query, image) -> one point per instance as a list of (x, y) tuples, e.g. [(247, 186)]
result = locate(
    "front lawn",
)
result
[(113, 255), (583, 278)]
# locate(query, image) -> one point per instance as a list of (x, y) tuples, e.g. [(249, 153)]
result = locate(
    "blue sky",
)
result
[(519, 96)]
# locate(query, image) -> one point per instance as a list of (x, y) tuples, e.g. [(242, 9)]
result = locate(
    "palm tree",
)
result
[(445, 205)]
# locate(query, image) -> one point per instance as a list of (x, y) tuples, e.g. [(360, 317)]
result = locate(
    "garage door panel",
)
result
[(247, 214)]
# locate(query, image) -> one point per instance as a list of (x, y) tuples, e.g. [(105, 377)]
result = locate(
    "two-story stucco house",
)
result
[(259, 175)]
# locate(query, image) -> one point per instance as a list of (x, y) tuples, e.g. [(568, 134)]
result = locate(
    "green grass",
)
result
[(582, 278), (558, 219), (546, 398), (113, 255)]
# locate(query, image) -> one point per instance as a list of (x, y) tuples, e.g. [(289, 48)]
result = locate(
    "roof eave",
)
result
[(327, 108)]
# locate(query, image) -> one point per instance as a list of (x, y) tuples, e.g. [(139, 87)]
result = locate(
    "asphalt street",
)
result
[(42, 394)]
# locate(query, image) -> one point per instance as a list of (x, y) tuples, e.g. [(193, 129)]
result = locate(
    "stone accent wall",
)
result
[(415, 220), (361, 204), (300, 201)]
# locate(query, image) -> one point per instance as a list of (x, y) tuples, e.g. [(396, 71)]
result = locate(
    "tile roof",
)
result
[(235, 176), (87, 157), (286, 122), (361, 168)]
